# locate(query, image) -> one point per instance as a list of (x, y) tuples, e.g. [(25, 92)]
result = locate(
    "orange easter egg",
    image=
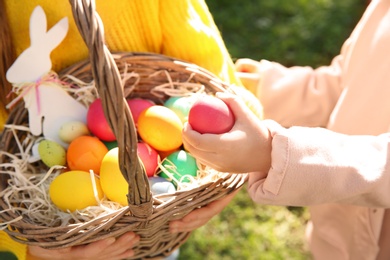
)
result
[(86, 153), (161, 128)]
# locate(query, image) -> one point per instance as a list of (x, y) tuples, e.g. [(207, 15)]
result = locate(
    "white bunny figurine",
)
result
[(48, 104)]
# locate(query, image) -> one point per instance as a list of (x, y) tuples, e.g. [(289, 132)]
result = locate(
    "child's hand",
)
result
[(110, 248), (246, 148), (248, 72)]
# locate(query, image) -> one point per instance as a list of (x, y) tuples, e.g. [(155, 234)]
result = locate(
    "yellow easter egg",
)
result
[(161, 128), (73, 190), (114, 185), (51, 153)]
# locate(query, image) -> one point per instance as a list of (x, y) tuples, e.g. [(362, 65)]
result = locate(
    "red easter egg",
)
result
[(97, 122), (210, 115), (137, 105), (149, 157)]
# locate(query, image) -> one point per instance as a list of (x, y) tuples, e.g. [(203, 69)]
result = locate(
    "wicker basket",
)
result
[(147, 216)]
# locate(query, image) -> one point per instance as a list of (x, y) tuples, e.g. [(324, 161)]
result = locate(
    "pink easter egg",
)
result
[(149, 157), (137, 105), (97, 122), (211, 115)]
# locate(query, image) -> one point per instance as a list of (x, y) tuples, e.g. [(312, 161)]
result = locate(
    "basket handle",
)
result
[(109, 86)]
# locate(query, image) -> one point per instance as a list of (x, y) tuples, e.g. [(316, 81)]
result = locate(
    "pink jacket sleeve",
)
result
[(309, 95), (350, 96), (314, 165)]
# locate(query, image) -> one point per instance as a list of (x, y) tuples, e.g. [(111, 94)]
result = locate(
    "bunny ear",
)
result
[(38, 25), (34, 62), (56, 34)]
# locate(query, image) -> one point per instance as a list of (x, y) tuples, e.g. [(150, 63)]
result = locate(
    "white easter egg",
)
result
[(34, 157), (160, 185), (71, 130)]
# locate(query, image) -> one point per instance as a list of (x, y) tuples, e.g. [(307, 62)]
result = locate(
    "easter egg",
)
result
[(161, 128), (97, 122), (34, 155), (181, 106), (71, 130), (74, 190), (137, 105), (211, 115), (86, 153), (111, 145), (149, 158), (164, 154), (51, 153), (113, 183), (159, 185), (180, 165)]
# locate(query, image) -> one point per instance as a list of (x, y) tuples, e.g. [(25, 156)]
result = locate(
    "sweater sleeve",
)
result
[(8, 245), (315, 165), (3, 118), (309, 95), (300, 95), (189, 32), (182, 29)]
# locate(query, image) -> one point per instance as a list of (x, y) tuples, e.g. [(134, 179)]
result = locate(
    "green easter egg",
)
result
[(181, 106), (111, 145), (52, 153), (181, 165)]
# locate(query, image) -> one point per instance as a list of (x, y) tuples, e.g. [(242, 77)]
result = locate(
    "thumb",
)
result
[(236, 104)]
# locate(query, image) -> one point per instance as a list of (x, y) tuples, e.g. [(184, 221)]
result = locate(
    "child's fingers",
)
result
[(246, 65), (236, 104), (247, 71), (196, 142), (250, 81)]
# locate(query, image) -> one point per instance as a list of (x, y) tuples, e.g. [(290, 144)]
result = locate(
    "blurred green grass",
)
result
[(245, 230), (300, 32)]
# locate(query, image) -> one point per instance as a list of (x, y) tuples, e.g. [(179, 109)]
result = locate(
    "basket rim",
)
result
[(24, 224)]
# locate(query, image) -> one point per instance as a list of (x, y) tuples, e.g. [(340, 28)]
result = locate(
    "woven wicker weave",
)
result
[(146, 216)]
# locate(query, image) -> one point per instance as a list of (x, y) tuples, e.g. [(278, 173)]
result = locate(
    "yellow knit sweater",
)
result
[(179, 28)]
